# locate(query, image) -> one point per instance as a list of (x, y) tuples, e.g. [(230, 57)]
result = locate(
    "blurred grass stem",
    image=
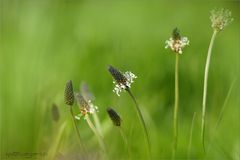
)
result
[(191, 134)]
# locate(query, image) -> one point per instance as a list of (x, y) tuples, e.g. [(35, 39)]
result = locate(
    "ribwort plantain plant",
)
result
[(87, 108), (176, 44), (117, 121), (220, 18), (123, 82), (69, 100)]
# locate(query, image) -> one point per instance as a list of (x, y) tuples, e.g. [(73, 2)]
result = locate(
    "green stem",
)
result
[(141, 120), (190, 137), (205, 86), (76, 128), (175, 113), (99, 137), (97, 123)]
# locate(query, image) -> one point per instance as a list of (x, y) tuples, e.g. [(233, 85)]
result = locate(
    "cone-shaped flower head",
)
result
[(69, 94), (116, 119), (86, 107), (220, 18), (123, 81), (176, 42)]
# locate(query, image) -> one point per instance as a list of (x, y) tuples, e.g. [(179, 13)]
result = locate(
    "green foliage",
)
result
[(45, 43)]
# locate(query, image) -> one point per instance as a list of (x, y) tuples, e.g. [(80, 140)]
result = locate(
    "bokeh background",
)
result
[(45, 43)]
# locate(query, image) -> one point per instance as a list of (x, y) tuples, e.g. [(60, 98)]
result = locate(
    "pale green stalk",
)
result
[(175, 113), (205, 86), (190, 137), (97, 123), (99, 137)]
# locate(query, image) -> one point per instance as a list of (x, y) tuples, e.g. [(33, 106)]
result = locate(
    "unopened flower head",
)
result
[(122, 81), (69, 94), (176, 42), (220, 18), (55, 112), (86, 107), (116, 119)]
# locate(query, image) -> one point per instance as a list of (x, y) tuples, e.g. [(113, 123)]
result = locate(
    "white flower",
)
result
[(220, 18), (120, 86), (177, 45)]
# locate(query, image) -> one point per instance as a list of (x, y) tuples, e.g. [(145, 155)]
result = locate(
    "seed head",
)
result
[(176, 42), (220, 18), (114, 117), (55, 112), (86, 107), (123, 81), (69, 94)]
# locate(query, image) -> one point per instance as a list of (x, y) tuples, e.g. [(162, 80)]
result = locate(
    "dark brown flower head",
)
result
[(176, 34), (69, 94), (55, 112), (114, 117), (117, 75)]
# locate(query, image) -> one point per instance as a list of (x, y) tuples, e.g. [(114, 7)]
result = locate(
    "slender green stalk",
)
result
[(55, 145), (77, 131), (205, 87), (221, 112), (190, 137), (97, 124), (175, 112), (124, 137), (142, 120), (99, 137)]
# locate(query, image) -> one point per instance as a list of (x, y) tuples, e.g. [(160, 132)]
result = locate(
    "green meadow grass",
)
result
[(45, 43)]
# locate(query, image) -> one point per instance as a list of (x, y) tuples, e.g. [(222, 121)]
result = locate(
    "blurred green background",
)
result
[(45, 43)]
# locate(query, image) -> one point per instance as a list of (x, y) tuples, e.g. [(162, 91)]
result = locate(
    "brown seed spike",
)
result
[(55, 112), (117, 75), (114, 117), (68, 94)]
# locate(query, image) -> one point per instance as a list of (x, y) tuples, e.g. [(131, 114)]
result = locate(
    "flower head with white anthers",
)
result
[(122, 81), (176, 42), (86, 107), (220, 18)]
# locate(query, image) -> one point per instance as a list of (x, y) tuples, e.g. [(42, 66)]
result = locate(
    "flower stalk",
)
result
[(176, 105), (220, 19)]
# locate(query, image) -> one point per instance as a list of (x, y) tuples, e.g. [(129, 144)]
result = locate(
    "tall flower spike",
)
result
[(176, 42), (114, 117), (85, 107), (123, 81), (220, 18), (69, 94)]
